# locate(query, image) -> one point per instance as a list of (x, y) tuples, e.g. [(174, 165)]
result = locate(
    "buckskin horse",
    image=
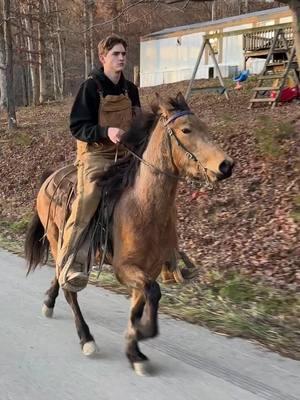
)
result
[(170, 143)]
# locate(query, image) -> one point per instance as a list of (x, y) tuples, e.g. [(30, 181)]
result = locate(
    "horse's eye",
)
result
[(186, 130)]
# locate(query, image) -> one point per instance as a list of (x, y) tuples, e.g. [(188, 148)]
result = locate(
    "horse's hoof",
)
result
[(47, 311), (141, 368), (89, 349)]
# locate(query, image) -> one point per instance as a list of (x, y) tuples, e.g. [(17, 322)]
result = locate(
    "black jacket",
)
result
[(84, 124)]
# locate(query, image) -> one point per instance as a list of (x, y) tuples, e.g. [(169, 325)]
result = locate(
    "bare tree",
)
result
[(11, 110), (88, 20), (61, 50), (42, 53), (49, 9), (86, 36), (3, 87), (91, 11), (27, 12), (21, 53)]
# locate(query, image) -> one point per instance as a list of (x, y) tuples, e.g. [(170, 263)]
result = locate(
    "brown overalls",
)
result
[(92, 159)]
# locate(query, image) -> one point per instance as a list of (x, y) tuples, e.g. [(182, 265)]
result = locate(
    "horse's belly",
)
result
[(149, 250)]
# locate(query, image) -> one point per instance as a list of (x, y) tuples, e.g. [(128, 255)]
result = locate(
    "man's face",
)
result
[(115, 59)]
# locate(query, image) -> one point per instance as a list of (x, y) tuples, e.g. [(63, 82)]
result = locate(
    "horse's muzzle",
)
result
[(225, 169)]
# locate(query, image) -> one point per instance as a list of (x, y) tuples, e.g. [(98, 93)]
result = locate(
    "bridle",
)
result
[(171, 134)]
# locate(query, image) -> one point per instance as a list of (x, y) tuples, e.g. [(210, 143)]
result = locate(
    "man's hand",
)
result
[(115, 134)]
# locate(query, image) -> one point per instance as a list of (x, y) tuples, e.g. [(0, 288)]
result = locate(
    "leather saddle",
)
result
[(61, 187)]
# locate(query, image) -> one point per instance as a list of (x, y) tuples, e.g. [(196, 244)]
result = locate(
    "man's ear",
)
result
[(102, 59)]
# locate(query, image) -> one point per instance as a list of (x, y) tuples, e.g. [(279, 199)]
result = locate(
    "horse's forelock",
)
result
[(173, 103), (178, 104)]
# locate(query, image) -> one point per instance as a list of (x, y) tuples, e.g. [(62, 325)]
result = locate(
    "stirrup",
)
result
[(75, 282)]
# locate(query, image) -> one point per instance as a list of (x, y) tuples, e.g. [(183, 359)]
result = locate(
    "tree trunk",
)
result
[(23, 56), (295, 8), (42, 54), (61, 70), (213, 10), (115, 12), (54, 73), (3, 87), (33, 65), (26, 100), (136, 75), (52, 39), (91, 34), (21, 61), (86, 37), (11, 110)]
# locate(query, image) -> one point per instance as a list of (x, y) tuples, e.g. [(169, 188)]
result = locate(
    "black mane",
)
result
[(121, 175)]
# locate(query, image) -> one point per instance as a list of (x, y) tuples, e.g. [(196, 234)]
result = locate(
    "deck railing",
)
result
[(262, 40)]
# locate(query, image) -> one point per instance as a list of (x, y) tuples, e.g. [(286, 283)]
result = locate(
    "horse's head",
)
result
[(194, 152)]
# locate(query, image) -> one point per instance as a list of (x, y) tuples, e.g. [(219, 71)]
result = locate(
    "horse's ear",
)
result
[(155, 105), (181, 100), (159, 106)]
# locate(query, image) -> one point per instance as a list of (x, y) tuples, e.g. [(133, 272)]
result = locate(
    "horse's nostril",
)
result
[(226, 168)]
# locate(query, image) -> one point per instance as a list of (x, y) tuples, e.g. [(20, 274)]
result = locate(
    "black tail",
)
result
[(36, 243)]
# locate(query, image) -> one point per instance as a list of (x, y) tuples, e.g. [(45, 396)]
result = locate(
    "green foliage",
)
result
[(22, 139), (232, 304), (21, 225), (295, 213), (18, 227), (270, 134)]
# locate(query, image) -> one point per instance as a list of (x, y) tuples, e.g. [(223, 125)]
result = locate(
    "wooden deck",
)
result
[(258, 43)]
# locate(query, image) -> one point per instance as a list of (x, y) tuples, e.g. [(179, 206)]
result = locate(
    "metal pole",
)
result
[(188, 92), (218, 69)]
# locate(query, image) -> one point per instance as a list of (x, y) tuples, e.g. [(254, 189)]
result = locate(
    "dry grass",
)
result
[(234, 305)]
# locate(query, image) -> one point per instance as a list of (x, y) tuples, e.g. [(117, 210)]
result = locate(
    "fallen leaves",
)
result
[(246, 223)]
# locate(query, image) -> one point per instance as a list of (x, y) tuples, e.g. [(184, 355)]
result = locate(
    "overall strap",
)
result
[(125, 87), (99, 86), (100, 89)]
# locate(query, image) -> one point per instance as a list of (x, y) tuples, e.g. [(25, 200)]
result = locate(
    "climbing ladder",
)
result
[(279, 44)]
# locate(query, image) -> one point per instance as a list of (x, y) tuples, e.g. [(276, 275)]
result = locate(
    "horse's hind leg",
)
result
[(53, 291), (49, 302), (87, 342)]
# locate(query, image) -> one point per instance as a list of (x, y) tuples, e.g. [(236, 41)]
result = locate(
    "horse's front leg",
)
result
[(147, 326), (88, 345), (143, 321)]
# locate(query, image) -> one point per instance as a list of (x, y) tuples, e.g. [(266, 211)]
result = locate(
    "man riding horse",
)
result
[(170, 144), (101, 113)]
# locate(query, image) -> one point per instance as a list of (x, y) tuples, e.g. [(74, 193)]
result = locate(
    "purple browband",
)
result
[(177, 115)]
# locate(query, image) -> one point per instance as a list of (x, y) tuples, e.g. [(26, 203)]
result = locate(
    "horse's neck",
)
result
[(156, 191)]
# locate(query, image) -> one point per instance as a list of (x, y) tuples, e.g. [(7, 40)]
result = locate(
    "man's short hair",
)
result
[(109, 42)]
